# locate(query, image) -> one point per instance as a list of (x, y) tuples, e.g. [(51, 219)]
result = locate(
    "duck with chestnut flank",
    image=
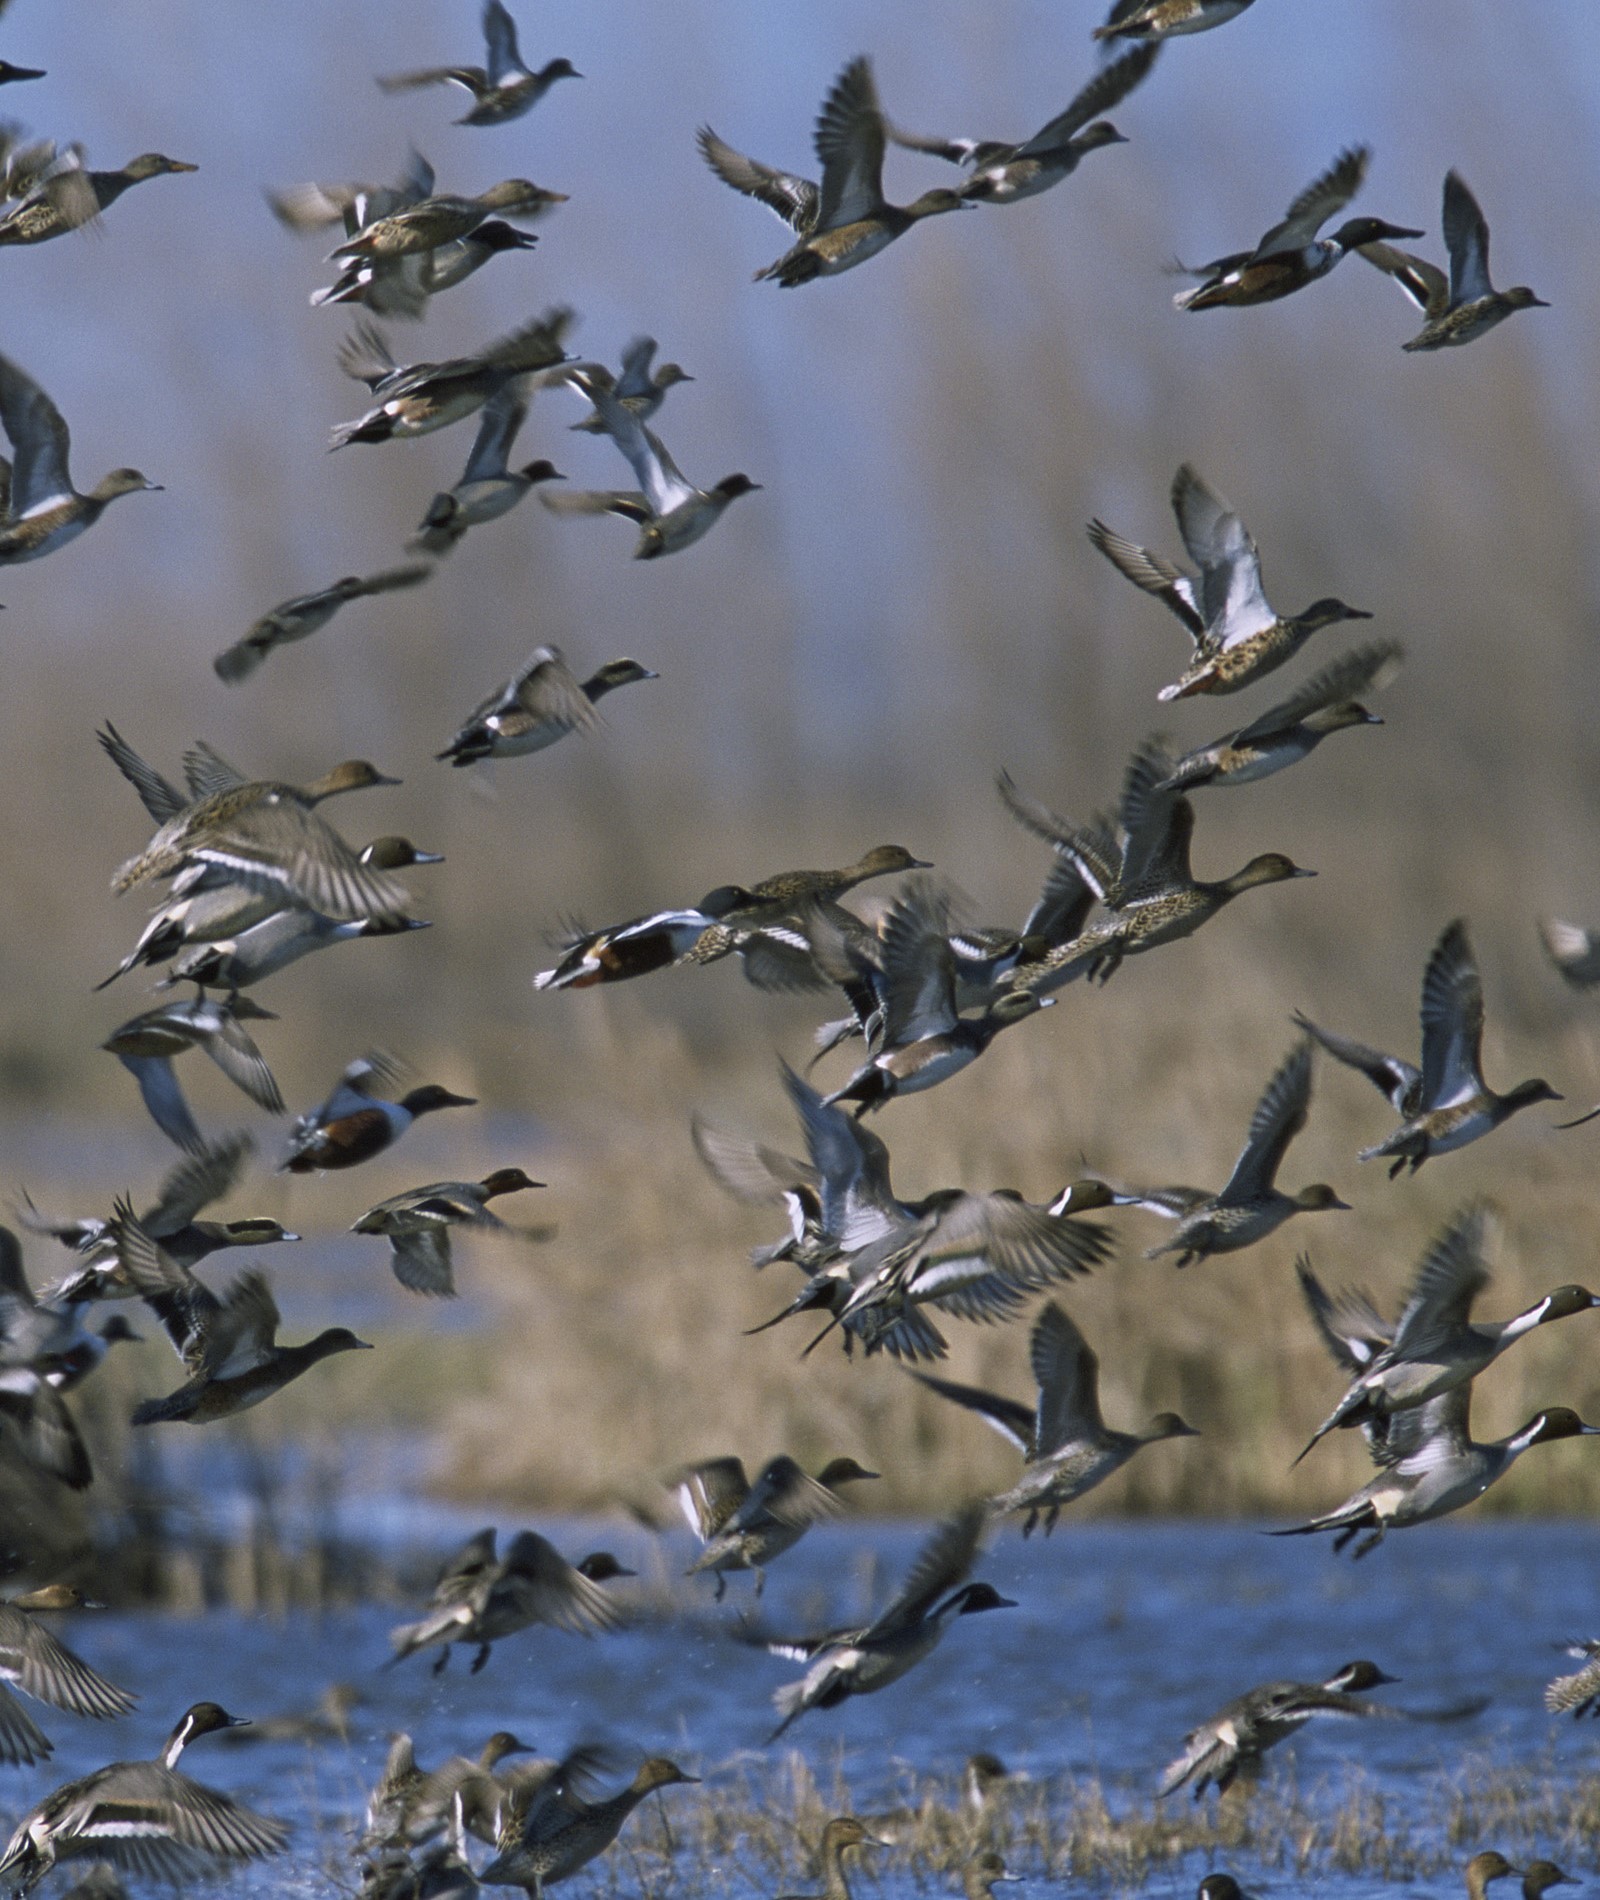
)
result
[(747, 1526), (1005, 174), (1250, 1205), (228, 1344), (307, 614), (481, 1598), (489, 487), (1292, 730), (1446, 1103), (1462, 307), (1429, 1465), (1231, 1745), (1433, 1345), (417, 1225), (846, 219), (356, 1122), (653, 942), (143, 1816), (1237, 636), (671, 513), (503, 89), (1291, 255), (1067, 1447), (542, 702), (43, 509), (860, 1661)]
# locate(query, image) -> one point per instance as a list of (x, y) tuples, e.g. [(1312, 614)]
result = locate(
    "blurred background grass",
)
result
[(910, 604)]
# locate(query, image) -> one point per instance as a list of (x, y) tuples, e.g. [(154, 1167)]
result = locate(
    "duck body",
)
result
[(74, 197), (1166, 19), (1429, 1466), (355, 1123), (1465, 305), (1230, 1746), (552, 1837), (747, 1526), (144, 1816), (417, 1225), (1432, 1347), (862, 1661), (1066, 1443), (636, 948), (541, 703), (503, 89)]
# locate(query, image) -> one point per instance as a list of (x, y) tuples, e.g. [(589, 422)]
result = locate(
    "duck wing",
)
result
[(158, 795), (1062, 907), (1394, 1078), (538, 1585), (710, 1493), (1350, 1326), (793, 198), (282, 847), (243, 1333), (186, 1308), (1231, 599), (48, 1671), (1452, 1275), (1090, 848), (1424, 283), (1177, 590), (1318, 202), (1452, 1021), (194, 1183), (659, 477), (919, 997), (503, 416), (1422, 1436), (1068, 1376), (941, 1565), (635, 380), (1279, 1116), (852, 1165), (1362, 670), (40, 444), (49, 1438), (110, 1815), (849, 141), (207, 772), (421, 1262), (547, 688), (1466, 233), (500, 38), (233, 1050), (786, 1494), (1573, 950), (1148, 812), (1009, 1417), (1108, 88)]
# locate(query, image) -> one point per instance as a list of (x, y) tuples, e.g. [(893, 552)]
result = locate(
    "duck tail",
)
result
[(176, 1405)]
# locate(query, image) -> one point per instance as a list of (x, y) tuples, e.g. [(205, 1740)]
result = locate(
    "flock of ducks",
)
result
[(256, 877)]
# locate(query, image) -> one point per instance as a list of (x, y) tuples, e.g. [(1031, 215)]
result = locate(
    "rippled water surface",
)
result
[(1123, 1637)]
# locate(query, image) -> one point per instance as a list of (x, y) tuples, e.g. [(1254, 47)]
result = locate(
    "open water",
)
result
[(1124, 1636)]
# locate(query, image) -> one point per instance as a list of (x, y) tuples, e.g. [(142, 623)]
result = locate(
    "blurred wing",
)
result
[(1424, 283), (1351, 1327), (1230, 564), (918, 965), (943, 1562), (1109, 86), (1068, 1376), (1318, 202), (794, 199), (40, 443), (1170, 585), (1362, 670), (1452, 1275)]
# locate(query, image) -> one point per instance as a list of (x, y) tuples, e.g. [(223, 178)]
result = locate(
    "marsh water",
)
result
[(1122, 1638)]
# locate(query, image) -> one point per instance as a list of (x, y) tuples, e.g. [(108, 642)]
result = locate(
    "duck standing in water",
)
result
[(842, 1833), (846, 219)]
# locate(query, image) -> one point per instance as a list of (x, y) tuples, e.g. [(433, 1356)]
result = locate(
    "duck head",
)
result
[(1520, 297), (395, 854), (931, 203), (349, 775), (842, 1471), (1167, 1425), (1102, 132), (1323, 613), (1272, 867), (123, 481), (843, 1831), (1563, 1301), (555, 69), (1318, 1199), (153, 164), (1557, 1421), (202, 1718), (600, 1567), (884, 859), (507, 1181), (431, 1096), (671, 373), (1358, 1675), (335, 1339), (732, 486), (617, 673), (973, 1597), (659, 1772), (1335, 718), (1355, 232)]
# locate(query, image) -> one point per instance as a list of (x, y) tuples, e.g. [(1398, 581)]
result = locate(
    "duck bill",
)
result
[(1579, 1122)]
